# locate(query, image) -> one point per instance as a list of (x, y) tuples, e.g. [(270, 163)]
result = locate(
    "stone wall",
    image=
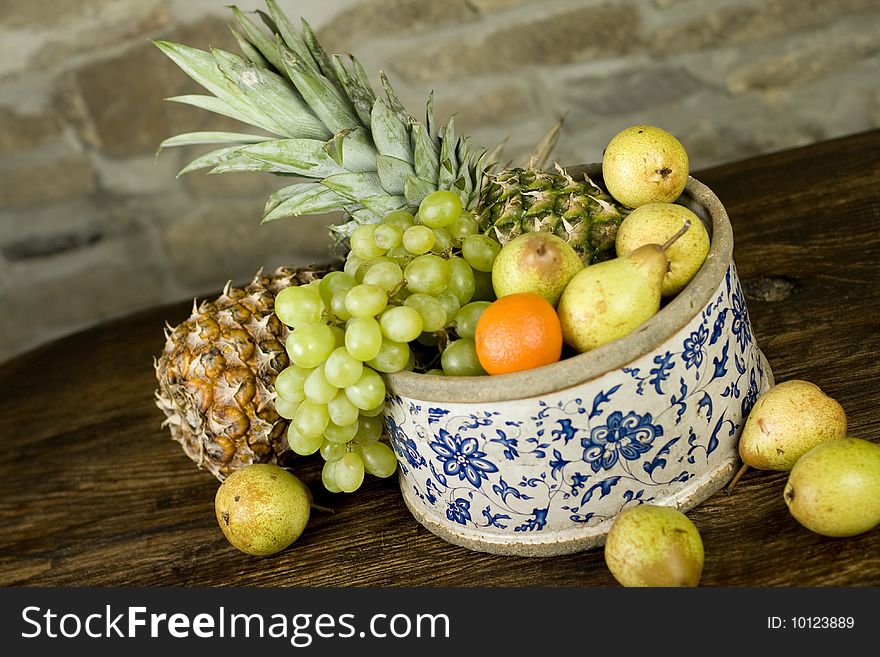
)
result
[(93, 225)]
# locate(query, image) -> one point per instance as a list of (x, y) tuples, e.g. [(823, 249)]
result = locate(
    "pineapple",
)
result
[(217, 371), (366, 155), (319, 121)]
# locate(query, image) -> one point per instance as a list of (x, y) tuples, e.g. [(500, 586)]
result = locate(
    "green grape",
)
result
[(461, 279), (440, 208), (341, 410), (462, 227), (388, 236), (386, 275), (287, 408), (442, 240), (352, 263), (369, 430), (331, 451), (400, 255), (480, 251), (363, 242), (450, 304), (432, 311), (368, 392), (341, 369), (483, 290), (362, 270), (337, 304), (400, 218), (339, 334), (365, 300), (328, 478), (289, 383), (311, 419), (401, 323), (342, 434), (349, 472), (400, 296), (418, 239), (309, 345), (317, 388), (436, 372), (379, 459), (427, 274), (333, 281), (375, 411), (460, 359), (303, 445), (392, 357), (466, 319), (299, 305), (363, 338)]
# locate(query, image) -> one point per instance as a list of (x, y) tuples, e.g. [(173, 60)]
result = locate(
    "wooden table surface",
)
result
[(94, 492)]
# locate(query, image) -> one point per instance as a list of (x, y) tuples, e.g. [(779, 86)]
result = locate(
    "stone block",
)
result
[(628, 91), (790, 64), (224, 241), (486, 6), (104, 27), (23, 132), (560, 38), (733, 25), (483, 104), (46, 13), (381, 18), (116, 103), (137, 175), (40, 182)]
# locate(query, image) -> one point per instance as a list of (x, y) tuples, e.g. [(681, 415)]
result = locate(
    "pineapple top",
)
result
[(367, 154)]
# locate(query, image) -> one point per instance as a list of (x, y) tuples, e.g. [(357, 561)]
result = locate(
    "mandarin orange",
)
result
[(518, 332)]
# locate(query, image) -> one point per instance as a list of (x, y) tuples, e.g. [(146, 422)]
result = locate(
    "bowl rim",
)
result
[(582, 368)]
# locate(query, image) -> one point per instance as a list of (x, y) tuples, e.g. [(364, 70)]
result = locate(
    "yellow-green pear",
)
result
[(786, 422), (834, 489), (538, 262), (608, 300), (650, 545), (262, 508), (654, 223), (644, 164)]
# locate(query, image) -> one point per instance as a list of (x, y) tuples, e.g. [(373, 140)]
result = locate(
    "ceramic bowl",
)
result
[(540, 462)]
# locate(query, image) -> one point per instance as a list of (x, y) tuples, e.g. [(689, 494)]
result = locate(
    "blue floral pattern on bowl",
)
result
[(553, 471)]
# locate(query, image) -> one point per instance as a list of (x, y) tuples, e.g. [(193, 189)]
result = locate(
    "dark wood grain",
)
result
[(94, 492)]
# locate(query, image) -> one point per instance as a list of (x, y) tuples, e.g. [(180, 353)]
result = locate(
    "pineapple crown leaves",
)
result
[(366, 155)]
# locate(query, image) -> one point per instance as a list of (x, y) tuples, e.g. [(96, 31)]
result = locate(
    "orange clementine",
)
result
[(518, 332)]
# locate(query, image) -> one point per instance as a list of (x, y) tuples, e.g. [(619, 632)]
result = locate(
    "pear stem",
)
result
[(681, 231), (737, 477), (324, 509)]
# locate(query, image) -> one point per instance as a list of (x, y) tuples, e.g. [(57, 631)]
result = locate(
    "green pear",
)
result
[(537, 262), (650, 545), (262, 508), (786, 422), (608, 300), (834, 489), (644, 164), (654, 223)]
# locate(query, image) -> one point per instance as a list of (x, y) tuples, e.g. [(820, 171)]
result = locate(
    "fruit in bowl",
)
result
[(394, 332)]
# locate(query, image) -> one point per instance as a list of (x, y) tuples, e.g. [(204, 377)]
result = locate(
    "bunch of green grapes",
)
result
[(407, 280)]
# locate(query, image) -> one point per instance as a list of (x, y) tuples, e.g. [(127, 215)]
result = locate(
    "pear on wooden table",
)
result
[(785, 423)]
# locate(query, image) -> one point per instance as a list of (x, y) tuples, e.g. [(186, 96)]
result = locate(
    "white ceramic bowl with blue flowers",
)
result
[(540, 462)]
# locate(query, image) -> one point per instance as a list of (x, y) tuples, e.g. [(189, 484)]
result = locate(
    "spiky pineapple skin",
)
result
[(520, 200), (216, 376)]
